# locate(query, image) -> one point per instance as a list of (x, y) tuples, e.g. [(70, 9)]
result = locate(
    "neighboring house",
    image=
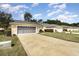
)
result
[(58, 28), (52, 27), (24, 27), (1, 29), (48, 27), (69, 28)]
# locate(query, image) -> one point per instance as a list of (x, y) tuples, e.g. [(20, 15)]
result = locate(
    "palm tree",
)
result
[(27, 16)]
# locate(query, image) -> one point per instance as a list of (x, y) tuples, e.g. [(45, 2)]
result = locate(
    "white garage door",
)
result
[(25, 29)]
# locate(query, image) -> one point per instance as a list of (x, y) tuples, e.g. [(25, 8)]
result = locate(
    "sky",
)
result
[(65, 12)]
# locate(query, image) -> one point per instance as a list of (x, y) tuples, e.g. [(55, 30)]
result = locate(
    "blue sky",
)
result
[(65, 12)]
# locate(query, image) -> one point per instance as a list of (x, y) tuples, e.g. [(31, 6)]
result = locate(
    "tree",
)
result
[(53, 22), (5, 19), (74, 24), (58, 22), (34, 20), (40, 21), (27, 16)]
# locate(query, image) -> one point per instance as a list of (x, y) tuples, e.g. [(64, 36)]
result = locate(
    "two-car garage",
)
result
[(25, 29)]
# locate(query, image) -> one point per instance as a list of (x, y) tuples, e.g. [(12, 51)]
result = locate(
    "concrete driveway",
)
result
[(39, 45)]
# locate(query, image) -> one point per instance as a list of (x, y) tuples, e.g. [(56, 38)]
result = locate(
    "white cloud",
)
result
[(35, 4), (10, 8), (51, 4), (54, 12), (5, 5), (37, 15), (22, 16), (64, 17), (48, 11), (60, 6), (20, 6), (75, 15), (66, 12)]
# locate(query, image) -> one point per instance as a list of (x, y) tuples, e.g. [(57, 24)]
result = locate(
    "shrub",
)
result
[(41, 31), (14, 40), (14, 34), (1, 32), (64, 29), (48, 30), (8, 33)]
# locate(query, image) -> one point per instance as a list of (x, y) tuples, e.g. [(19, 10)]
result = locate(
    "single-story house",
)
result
[(69, 28), (52, 27), (1, 29), (24, 27), (58, 28), (48, 27)]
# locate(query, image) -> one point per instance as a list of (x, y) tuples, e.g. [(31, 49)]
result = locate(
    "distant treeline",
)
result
[(58, 22)]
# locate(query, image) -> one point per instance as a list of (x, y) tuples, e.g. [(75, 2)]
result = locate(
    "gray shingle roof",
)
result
[(51, 25)]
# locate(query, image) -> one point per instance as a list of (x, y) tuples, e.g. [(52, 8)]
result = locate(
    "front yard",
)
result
[(15, 50), (64, 36), (4, 38)]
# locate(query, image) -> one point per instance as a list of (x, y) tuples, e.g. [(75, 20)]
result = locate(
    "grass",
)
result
[(76, 31), (15, 50), (4, 38), (64, 36)]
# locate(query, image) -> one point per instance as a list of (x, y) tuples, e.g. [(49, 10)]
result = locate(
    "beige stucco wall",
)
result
[(54, 29), (14, 27), (48, 28), (73, 29), (59, 29)]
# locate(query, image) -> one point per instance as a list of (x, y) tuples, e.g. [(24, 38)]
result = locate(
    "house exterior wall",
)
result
[(54, 29), (14, 27), (48, 28), (1, 28), (73, 29), (59, 29)]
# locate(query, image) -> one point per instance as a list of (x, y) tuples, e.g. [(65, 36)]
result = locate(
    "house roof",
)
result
[(18, 22), (70, 27), (24, 22), (58, 26), (51, 25)]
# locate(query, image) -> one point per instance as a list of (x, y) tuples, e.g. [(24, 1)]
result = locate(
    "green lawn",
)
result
[(16, 50), (64, 36), (76, 31), (4, 38)]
